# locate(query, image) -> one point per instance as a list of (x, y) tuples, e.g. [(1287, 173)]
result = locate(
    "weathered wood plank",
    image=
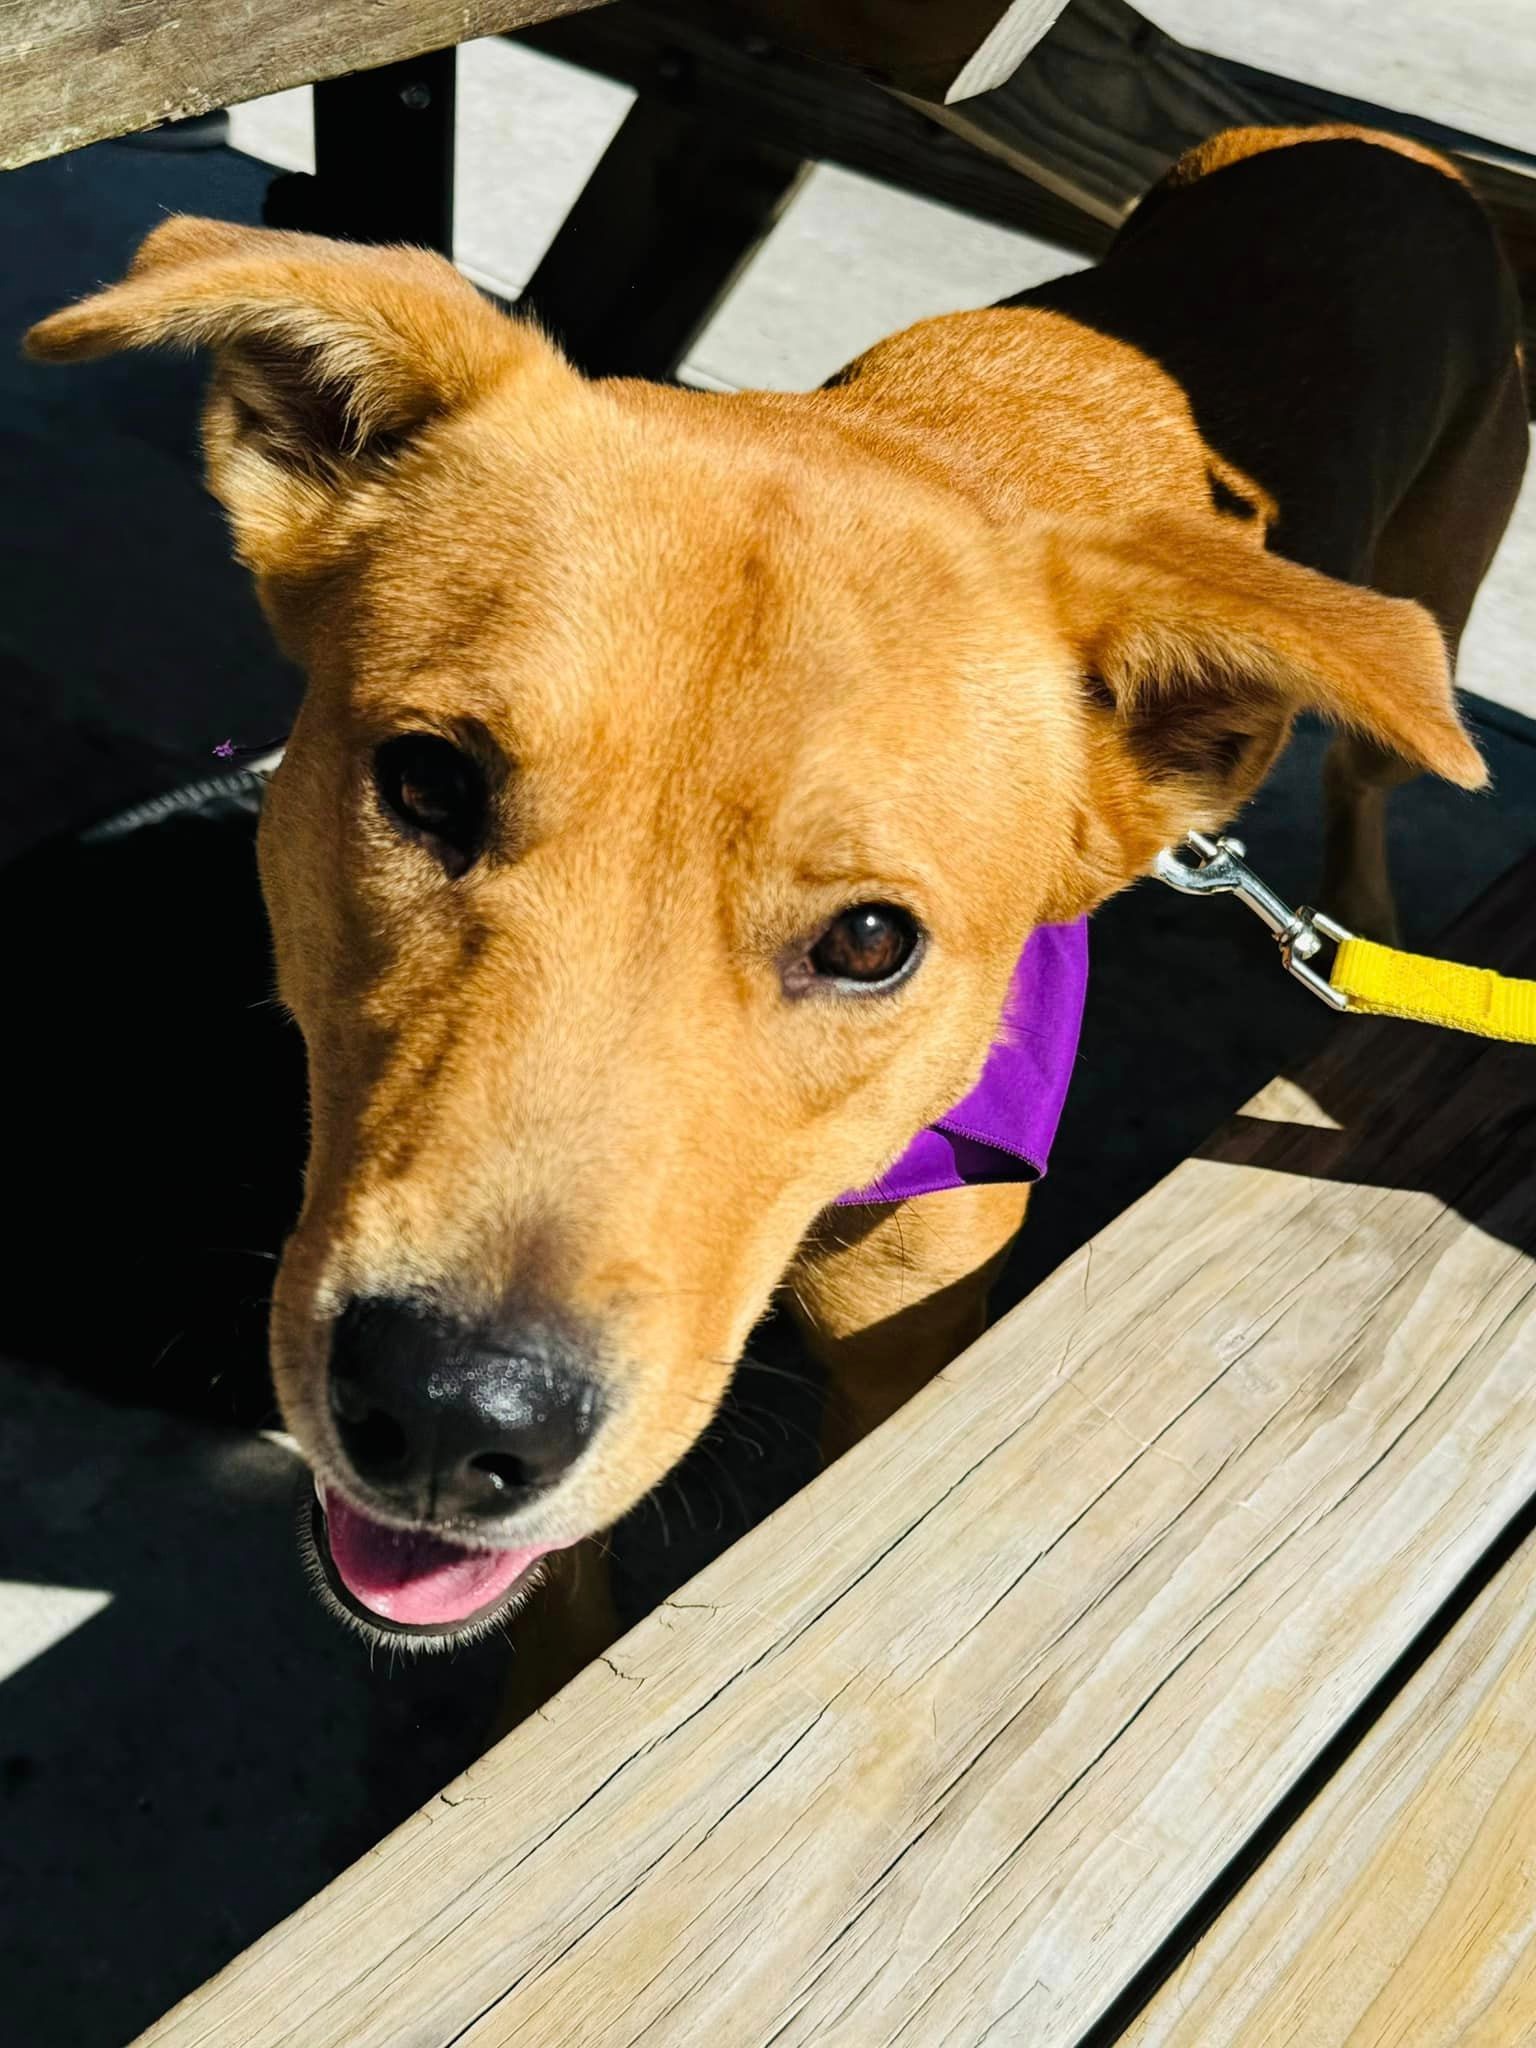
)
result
[(942, 1752), (1402, 1907), (78, 70), (1001, 52)]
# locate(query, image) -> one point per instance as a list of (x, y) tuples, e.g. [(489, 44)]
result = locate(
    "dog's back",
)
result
[(1337, 310)]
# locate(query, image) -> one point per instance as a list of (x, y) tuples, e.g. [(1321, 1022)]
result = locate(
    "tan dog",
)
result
[(680, 776)]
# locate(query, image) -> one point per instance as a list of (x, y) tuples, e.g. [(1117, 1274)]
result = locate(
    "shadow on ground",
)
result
[(204, 1747)]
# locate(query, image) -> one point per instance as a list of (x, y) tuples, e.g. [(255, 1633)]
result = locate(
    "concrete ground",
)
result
[(188, 1748)]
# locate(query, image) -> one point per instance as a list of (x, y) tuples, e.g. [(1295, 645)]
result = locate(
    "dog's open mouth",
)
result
[(409, 1581)]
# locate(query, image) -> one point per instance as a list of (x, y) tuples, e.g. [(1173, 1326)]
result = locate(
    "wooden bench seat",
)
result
[(1402, 1906), (951, 1747)]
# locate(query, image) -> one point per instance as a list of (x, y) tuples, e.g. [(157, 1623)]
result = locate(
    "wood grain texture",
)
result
[(78, 70), (941, 1753), (1400, 1912)]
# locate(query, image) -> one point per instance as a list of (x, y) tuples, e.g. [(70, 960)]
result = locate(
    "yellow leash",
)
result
[(1376, 981), (1383, 982)]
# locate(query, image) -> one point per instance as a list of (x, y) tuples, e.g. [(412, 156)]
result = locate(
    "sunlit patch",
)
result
[(34, 1618), (1286, 1102)]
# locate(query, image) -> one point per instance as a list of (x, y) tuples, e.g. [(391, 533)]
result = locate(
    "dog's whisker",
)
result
[(728, 1433), (777, 1372), (729, 1477), (653, 1500), (732, 1423), (789, 1427), (165, 1350), (681, 1494)]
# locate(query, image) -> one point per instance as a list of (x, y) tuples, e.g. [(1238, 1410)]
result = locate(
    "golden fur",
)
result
[(1233, 144), (964, 630)]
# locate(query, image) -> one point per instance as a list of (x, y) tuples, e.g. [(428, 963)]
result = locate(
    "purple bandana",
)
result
[(1003, 1129)]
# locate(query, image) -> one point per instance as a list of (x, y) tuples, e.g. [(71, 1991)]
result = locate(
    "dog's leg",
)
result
[(1358, 780), (888, 1294), (568, 1623), (1436, 548)]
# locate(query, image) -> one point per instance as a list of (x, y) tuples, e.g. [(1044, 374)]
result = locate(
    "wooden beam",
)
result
[(678, 205), (938, 49), (1105, 104), (1401, 1907), (383, 157), (950, 1746), (1001, 52), (94, 68), (697, 58)]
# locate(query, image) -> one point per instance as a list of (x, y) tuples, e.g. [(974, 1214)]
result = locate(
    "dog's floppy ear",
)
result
[(328, 357), (1197, 651)]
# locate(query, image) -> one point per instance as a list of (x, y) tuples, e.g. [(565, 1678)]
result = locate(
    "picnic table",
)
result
[(1168, 1664), (106, 67)]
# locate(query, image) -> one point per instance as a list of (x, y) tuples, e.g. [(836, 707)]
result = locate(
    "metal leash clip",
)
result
[(1219, 869)]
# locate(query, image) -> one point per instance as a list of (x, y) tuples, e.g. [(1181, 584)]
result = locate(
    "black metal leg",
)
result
[(383, 158), (663, 227)]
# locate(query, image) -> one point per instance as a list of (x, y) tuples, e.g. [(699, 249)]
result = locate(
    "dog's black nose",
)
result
[(446, 1422)]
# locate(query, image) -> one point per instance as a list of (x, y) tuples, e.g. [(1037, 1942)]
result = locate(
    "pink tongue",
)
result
[(411, 1577)]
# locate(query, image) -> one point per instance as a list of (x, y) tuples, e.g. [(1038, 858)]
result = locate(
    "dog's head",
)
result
[(678, 780)]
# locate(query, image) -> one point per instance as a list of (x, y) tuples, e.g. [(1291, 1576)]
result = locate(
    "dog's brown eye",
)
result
[(869, 944), (437, 792)]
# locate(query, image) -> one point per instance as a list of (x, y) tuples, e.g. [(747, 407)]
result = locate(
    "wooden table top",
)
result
[(1401, 1908), (978, 1725), (78, 70), (84, 69)]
